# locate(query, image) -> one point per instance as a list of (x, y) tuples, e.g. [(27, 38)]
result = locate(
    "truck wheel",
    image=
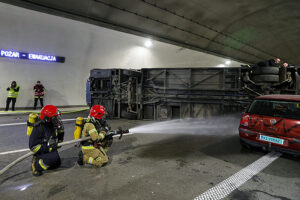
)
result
[(266, 70), (266, 78)]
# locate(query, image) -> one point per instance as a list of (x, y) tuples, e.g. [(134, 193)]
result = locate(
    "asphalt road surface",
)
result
[(150, 166)]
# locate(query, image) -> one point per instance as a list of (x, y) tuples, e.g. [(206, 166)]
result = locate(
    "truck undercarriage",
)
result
[(172, 93)]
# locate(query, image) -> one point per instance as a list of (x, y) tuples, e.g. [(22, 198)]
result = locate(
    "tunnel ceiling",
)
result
[(247, 31)]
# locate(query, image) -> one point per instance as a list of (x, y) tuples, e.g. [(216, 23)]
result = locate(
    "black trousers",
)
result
[(8, 100), (41, 102), (45, 161)]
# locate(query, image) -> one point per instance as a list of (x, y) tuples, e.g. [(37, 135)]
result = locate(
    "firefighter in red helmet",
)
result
[(47, 132), (94, 150)]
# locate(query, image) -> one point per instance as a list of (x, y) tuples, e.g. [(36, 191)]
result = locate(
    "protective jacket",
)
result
[(93, 149), (13, 92), (43, 142), (42, 136), (38, 91), (97, 131)]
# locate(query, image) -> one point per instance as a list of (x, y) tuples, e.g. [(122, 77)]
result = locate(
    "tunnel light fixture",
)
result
[(148, 43), (228, 62)]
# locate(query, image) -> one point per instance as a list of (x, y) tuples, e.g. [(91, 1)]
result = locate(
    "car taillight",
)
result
[(245, 120)]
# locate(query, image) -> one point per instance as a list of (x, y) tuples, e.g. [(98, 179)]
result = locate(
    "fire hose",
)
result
[(31, 153), (113, 133)]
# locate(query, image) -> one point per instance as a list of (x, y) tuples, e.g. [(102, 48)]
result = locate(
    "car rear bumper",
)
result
[(273, 147)]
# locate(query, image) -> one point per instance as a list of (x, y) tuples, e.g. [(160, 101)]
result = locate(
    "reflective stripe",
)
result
[(61, 131), (12, 95), (87, 147), (91, 160), (102, 136), (42, 164), (36, 148), (93, 130), (98, 159)]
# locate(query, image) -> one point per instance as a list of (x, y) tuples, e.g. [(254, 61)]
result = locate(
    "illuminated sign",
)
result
[(31, 56)]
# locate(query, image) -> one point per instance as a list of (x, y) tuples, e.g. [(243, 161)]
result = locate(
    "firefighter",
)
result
[(13, 92), (48, 131), (94, 150), (38, 94)]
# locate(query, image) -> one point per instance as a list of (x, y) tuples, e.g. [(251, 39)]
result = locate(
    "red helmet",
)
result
[(97, 111), (49, 112)]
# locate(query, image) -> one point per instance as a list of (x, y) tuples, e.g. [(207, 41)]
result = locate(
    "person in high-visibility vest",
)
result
[(13, 92), (39, 92)]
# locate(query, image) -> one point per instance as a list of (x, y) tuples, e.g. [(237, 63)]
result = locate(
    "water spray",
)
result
[(224, 125)]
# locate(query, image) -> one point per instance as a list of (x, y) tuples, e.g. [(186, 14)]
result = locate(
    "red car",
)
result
[(272, 122)]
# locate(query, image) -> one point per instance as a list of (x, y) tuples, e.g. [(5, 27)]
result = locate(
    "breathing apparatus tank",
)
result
[(30, 123), (78, 128)]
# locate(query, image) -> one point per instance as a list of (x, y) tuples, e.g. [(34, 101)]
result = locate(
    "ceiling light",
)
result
[(221, 65), (148, 43), (228, 62)]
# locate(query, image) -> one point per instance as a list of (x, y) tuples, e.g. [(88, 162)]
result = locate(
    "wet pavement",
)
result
[(145, 166)]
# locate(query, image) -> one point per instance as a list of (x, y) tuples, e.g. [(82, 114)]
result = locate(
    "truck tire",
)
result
[(266, 70), (266, 78)]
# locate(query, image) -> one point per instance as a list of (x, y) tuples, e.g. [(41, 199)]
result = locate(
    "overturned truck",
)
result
[(171, 93)]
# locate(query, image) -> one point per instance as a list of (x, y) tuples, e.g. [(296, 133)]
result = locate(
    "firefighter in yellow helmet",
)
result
[(94, 150)]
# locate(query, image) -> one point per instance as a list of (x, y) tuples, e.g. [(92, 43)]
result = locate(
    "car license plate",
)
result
[(271, 139)]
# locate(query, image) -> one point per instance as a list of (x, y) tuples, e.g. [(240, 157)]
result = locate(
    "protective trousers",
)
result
[(94, 156), (8, 100), (41, 101), (46, 161)]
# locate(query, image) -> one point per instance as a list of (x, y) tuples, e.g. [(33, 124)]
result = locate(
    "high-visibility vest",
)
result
[(12, 93)]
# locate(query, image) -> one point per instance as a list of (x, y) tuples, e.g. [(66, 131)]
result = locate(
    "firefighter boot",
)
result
[(35, 172), (80, 158)]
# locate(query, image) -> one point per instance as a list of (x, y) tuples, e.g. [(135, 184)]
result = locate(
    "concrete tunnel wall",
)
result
[(85, 47)]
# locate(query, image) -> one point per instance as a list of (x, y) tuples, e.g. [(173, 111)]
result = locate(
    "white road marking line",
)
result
[(22, 123), (13, 124), (21, 150), (224, 188)]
